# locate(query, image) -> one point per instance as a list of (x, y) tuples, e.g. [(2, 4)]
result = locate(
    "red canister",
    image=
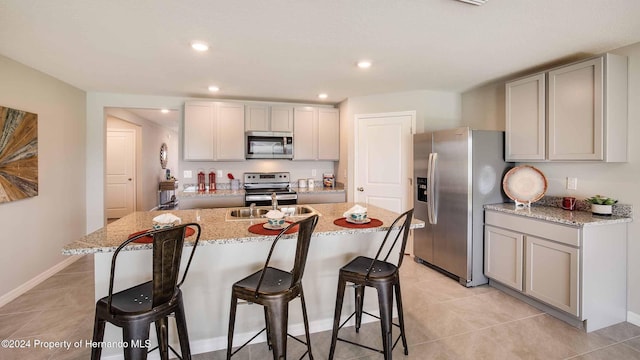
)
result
[(212, 180), (201, 184)]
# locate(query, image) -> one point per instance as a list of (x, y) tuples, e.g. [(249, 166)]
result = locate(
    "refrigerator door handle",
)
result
[(431, 186)]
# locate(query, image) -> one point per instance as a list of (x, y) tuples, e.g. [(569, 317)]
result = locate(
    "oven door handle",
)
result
[(264, 197)]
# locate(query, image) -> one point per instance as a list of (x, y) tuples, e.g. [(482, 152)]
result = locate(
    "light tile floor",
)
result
[(444, 321)]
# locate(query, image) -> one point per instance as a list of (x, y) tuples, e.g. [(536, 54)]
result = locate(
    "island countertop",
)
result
[(216, 230), (558, 215)]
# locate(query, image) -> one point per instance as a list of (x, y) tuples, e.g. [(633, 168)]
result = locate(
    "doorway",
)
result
[(120, 197), (384, 161)]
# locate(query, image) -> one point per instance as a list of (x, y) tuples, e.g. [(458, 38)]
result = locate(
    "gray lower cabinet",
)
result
[(321, 197), (210, 202), (503, 256), (576, 273)]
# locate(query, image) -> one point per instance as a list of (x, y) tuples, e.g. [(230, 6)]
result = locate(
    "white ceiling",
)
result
[(291, 50)]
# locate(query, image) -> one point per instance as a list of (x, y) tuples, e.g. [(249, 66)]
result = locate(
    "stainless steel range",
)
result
[(259, 188)]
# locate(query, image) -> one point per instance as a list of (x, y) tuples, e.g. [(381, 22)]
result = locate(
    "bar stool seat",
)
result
[(274, 289), (382, 275)]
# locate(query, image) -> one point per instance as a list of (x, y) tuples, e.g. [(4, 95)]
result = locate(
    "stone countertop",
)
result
[(216, 230), (225, 191), (558, 215)]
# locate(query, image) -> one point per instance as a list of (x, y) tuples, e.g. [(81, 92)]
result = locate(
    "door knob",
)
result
[(129, 179), (360, 188)]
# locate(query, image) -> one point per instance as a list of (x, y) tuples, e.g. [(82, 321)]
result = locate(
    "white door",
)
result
[(384, 160), (120, 188)]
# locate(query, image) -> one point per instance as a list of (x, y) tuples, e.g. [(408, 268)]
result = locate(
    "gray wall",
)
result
[(483, 108), (34, 230), (435, 110)]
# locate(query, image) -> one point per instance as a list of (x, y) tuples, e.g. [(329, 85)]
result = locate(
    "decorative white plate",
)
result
[(524, 184), (365, 221)]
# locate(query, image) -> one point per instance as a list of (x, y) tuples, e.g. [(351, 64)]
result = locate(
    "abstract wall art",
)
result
[(18, 154)]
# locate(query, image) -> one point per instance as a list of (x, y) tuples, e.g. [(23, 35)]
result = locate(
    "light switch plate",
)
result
[(188, 174), (572, 183)]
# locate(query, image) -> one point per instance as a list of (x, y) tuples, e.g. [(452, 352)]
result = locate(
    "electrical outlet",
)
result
[(572, 183), (188, 174), (313, 172)]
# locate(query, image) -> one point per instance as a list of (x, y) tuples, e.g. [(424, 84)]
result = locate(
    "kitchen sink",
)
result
[(247, 213)]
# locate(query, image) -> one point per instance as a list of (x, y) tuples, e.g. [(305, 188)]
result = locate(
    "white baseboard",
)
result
[(633, 318), (13, 294)]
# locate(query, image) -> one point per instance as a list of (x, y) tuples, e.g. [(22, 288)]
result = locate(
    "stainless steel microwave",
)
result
[(269, 145)]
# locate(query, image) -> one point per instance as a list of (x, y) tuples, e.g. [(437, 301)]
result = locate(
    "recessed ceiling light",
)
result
[(164, 111), (323, 96), (364, 64), (214, 88), (199, 46)]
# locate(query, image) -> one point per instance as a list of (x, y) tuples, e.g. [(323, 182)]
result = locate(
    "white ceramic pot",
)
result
[(601, 209)]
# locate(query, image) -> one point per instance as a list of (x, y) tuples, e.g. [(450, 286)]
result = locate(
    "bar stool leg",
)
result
[(232, 322), (266, 323), (278, 314), (135, 335), (401, 317), (162, 333), (359, 293), (385, 302), (336, 316), (183, 335), (98, 336), (306, 323)]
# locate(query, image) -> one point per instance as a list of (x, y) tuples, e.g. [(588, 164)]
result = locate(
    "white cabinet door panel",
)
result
[(552, 274), (282, 118), (198, 131), (503, 256), (328, 134), (575, 112), (229, 137), (525, 119)]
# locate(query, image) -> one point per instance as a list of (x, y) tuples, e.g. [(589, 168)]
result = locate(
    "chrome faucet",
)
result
[(274, 201)]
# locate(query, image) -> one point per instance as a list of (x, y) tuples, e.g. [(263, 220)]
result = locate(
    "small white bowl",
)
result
[(358, 216), (275, 222), (158, 226)]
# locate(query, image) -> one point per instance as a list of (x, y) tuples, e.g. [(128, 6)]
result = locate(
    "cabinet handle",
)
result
[(360, 189)]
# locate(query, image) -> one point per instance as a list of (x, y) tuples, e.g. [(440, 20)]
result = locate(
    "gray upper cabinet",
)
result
[(282, 118), (213, 131), (268, 118), (580, 114), (525, 137), (316, 134)]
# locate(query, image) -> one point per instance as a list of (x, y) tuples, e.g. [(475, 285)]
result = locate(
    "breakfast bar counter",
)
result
[(227, 252)]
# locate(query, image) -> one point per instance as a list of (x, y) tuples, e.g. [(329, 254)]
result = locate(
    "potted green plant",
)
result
[(601, 205)]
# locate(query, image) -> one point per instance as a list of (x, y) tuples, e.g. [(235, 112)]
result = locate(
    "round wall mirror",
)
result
[(163, 155)]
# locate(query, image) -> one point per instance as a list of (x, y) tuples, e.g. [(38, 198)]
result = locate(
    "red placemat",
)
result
[(344, 223), (149, 239), (260, 230)]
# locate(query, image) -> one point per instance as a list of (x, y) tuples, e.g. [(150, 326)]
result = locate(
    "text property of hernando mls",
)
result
[(68, 345)]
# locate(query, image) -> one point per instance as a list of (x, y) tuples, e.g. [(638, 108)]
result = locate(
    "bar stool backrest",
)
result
[(305, 230), (402, 233), (167, 254)]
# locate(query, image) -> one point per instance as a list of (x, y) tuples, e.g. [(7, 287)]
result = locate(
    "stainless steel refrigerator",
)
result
[(456, 172)]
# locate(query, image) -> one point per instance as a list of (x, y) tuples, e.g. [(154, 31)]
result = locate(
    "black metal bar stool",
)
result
[(135, 308), (274, 289), (385, 278)]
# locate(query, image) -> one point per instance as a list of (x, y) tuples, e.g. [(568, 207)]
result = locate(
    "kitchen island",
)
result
[(228, 252)]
